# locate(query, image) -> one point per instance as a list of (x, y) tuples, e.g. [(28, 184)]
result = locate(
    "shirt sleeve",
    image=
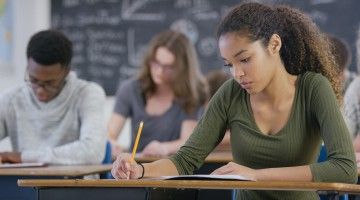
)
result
[(352, 107), (196, 114), (211, 126), (123, 98), (90, 147), (340, 165)]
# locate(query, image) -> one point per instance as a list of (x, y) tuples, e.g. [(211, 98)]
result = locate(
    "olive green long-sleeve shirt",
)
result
[(315, 116)]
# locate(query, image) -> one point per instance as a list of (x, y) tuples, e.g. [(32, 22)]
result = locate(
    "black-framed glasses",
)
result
[(50, 86)]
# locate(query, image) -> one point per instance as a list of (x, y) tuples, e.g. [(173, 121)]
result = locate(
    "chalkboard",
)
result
[(110, 36)]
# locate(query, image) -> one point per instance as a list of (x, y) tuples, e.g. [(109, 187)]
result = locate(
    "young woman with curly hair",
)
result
[(280, 105)]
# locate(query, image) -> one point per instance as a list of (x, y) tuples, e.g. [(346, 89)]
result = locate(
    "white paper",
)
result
[(14, 165), (206, 177)]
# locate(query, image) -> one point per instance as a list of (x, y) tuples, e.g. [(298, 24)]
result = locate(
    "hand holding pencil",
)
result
[(125, 166)]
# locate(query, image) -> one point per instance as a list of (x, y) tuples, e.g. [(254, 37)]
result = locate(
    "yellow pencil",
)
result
[(137, 140)]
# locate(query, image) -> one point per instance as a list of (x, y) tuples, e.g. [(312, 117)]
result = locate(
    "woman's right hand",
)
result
[(125, 167)]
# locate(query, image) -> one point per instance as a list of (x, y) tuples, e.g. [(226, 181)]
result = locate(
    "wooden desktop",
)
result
[(177, 189), (10, 176)]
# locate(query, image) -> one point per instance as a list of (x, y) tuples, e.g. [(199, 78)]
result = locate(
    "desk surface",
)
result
[(214, 157), (196, 184), (65, 170)]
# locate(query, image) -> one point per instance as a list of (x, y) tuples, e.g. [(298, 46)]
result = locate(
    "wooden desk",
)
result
[(9, 177), (181, 189), (63, 170), (213, 161)]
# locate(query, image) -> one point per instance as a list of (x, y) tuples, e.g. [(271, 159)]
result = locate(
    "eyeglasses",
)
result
[(169, 69), (50, 86)]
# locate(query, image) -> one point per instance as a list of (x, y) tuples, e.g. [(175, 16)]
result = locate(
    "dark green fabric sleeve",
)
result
[(207, 135), (340, 165)]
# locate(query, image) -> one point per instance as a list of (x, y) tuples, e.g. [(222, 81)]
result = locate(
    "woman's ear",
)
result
[(274, 44)]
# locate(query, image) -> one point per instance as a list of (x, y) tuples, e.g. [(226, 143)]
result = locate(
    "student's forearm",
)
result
[(115, 126), (299, 173), (113, 135), (163, 167)]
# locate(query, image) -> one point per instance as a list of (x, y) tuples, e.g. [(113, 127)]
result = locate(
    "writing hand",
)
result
[(125, 167)]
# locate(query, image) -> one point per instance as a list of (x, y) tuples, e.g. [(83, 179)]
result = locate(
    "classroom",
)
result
[(179, 99)]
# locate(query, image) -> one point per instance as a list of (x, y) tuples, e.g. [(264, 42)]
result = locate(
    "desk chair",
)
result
[(107, 160), (322, 157)]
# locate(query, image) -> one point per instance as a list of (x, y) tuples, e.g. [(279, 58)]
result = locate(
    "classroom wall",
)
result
[(29, 17)]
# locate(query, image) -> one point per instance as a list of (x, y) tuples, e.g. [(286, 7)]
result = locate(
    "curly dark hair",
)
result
[(50, 47), (304, 46)]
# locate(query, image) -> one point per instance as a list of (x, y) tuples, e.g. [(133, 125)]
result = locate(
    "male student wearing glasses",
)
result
[(54, 117)]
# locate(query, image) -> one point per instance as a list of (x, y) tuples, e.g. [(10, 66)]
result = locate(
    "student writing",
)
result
[(279, 106), (54, 117)]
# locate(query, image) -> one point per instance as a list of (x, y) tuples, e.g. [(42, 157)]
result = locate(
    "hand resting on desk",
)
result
[(235, 169), (10, 157)]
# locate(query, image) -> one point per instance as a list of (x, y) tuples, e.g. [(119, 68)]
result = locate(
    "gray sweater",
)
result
[(352, 107), (70, 129)]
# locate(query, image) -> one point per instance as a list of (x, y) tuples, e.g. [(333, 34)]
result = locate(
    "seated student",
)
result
[(342, 53), (279, 106), (55, 117), (215, 79), (352, 107), (167, 95)]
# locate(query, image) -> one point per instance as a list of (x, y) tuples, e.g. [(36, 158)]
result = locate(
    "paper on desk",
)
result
[(14, 165), (206, 177)]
